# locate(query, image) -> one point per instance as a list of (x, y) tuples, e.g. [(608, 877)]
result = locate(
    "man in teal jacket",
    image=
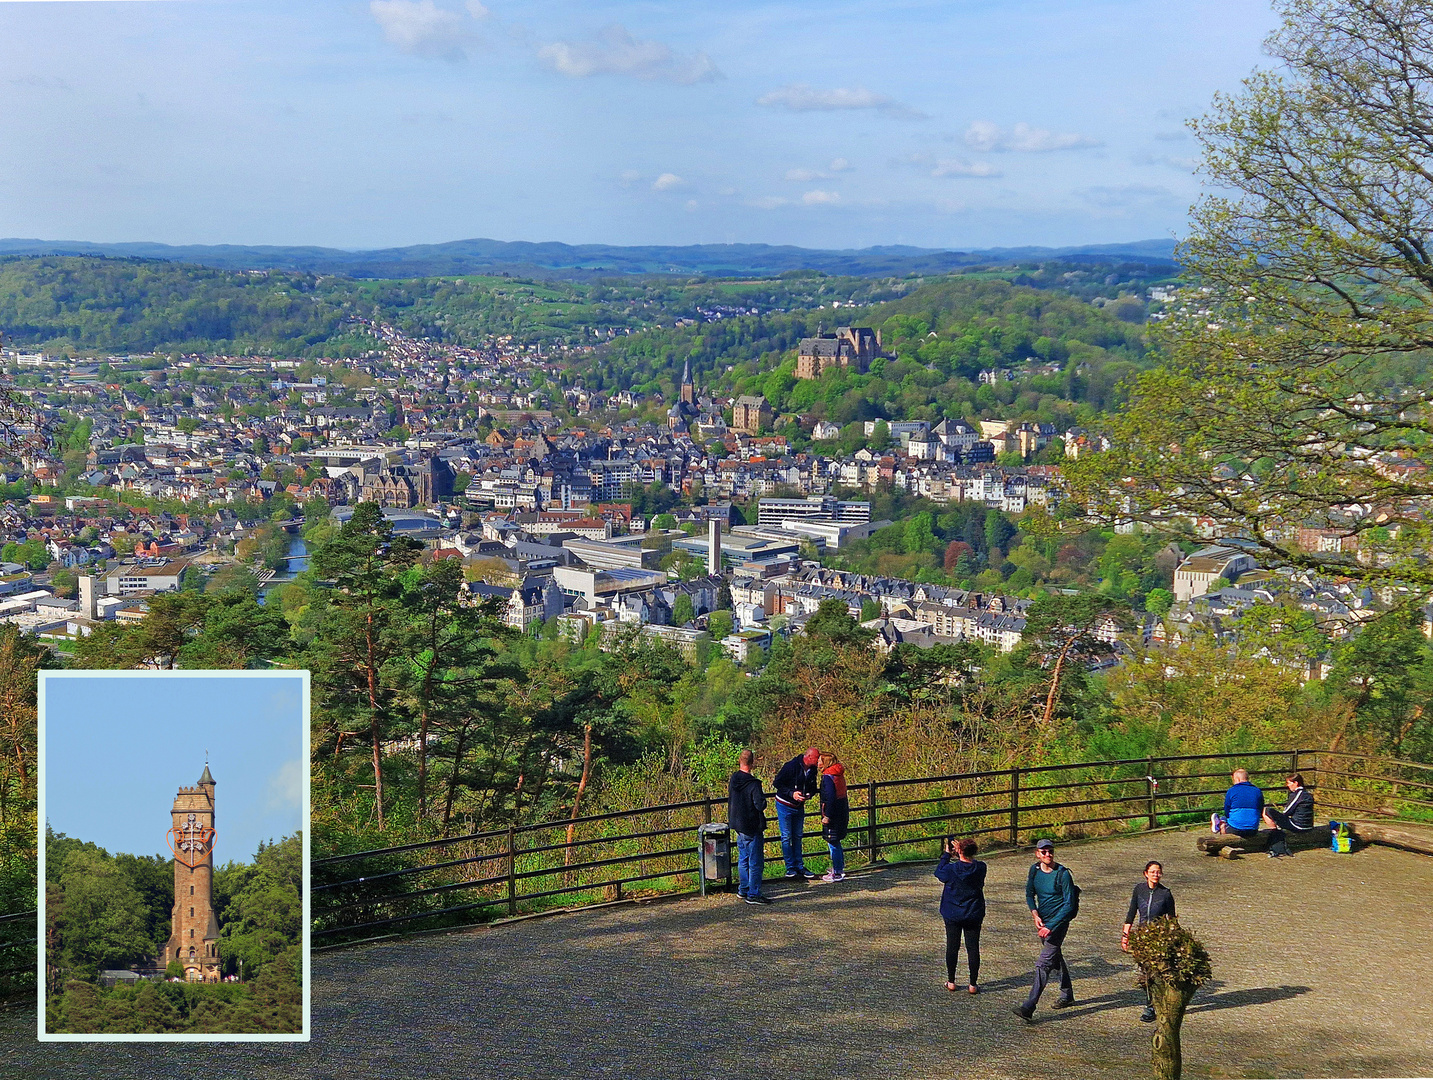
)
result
[(1052, 897)]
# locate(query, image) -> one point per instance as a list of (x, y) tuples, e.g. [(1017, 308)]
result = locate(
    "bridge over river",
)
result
[(1320, 964)]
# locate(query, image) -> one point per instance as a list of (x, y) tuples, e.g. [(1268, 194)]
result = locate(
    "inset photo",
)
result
[(174, 855)]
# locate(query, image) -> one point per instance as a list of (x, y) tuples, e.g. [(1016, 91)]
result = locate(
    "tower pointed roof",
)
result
[(207, 778), (687, 372)]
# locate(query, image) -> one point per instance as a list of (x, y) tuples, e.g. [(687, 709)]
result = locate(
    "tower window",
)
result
[(191, 890), (191, 913), (191, 933)]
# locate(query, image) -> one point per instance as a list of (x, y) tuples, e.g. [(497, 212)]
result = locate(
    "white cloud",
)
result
[(614, 51), (667, 181), (1022, 138), (840, 164), (284, 790), (630, 177), (799, 97), (422, 28), (1122, 197), (976, 170), (769, 202), (821, 198), (804, 176)]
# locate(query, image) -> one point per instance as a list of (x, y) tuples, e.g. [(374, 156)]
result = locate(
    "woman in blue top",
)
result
[(962, 906)]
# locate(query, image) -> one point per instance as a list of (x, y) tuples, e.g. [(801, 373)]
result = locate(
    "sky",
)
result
[(374, 123), (118, 748)]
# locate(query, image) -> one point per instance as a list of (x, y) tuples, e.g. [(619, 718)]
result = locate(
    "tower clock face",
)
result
[(191, 840)]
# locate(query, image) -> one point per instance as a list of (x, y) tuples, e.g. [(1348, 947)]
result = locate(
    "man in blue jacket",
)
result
[(795, 783), (1243, 806), (1053, 900)]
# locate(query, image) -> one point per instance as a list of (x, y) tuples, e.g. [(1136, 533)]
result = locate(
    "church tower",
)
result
[(688, 389), (194, 937)]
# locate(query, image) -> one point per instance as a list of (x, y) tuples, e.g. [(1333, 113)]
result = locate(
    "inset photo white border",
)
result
[(164, 683)]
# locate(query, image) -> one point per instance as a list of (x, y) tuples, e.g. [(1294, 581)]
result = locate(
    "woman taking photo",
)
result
[(1150, 901), (962, 907)]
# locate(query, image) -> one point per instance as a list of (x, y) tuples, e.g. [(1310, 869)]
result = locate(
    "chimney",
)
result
[(88, 606), (713, 546)]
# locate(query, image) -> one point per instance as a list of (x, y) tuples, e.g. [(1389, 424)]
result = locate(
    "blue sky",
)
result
[(364, 123), (118, 748)]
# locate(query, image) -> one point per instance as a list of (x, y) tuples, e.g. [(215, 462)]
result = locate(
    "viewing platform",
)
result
[(1319, 971)]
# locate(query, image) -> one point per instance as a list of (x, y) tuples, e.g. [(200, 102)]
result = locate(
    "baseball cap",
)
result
[(1043, 844)]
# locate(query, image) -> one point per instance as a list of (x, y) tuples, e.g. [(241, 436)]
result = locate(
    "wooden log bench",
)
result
[(1408, 836)]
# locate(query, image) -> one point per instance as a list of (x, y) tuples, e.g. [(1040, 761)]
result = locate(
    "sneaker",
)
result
[(1148, 1015), (1064, 1002), (757, 899), (1214, 823), (828, 876), (1023, 1013), (809, 875), (792, 874)]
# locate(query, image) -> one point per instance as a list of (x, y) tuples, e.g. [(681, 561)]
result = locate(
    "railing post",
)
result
[(707, 812), (873, 846), (1153, 792), (1014, 807), (1294, 761), (512, 870)]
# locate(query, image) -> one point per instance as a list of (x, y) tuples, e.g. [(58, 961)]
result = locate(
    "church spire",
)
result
[(688, 389)]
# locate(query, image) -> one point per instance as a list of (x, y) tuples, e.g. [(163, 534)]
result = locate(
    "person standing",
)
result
[(1150, 901), (962, 907), (795, 783), (835, 813), (1053, 899), (746, 813), (1296, 816)]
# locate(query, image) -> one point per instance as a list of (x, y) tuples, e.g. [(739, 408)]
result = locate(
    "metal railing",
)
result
[(17, 953), (606, 857)]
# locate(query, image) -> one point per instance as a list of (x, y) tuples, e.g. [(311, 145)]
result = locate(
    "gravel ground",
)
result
[(1318, 973)]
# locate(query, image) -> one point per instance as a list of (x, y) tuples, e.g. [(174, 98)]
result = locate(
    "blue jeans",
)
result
[(792, 821), (750, 864), (838, 857)]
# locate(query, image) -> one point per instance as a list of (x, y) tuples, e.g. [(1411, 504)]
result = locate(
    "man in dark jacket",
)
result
[(746, 806), (1052, 899), (795, 783)]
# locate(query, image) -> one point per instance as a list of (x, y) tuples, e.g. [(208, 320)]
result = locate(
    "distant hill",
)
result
[(554, 260)]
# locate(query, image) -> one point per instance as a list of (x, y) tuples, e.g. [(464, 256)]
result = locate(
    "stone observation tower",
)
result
[(194, 938)]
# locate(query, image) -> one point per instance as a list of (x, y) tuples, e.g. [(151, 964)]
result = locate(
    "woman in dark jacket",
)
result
[(1150, 901), (962, 906), (835, 814)]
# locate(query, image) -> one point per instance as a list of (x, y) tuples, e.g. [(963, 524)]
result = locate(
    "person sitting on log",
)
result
[(1243, 807), (1296, 816)]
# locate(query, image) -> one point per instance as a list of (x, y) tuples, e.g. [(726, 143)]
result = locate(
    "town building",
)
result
[(751, 414), (851, 347)]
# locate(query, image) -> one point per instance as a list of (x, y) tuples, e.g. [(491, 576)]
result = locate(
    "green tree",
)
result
[(104, 916), (1158, 602), (682, 610), (360, 630), (1064, 633), (1304, 351), (719, 624), (832, 622)]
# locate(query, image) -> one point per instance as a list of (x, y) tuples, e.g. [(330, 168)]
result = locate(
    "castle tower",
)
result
[(194, 939), (688, 389)]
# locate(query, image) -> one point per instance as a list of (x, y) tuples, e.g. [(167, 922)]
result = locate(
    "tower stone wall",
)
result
[(194, 936)]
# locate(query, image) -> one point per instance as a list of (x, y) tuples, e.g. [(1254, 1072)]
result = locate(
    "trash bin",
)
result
[(714, 853)]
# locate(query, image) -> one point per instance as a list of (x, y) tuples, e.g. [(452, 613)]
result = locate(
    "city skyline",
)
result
[(422, 121)]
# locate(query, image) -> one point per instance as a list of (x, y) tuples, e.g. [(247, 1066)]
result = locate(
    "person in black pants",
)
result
[(1296, 816), (1150, 900), (962, 906)]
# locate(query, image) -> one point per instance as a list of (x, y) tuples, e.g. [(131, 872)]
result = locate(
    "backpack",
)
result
[(1340, 839), (1074, 893)]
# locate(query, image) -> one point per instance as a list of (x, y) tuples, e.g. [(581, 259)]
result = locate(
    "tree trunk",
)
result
[(581, 787), (453, 779), (1169, 1005), (373, 725), (1055, 681)]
